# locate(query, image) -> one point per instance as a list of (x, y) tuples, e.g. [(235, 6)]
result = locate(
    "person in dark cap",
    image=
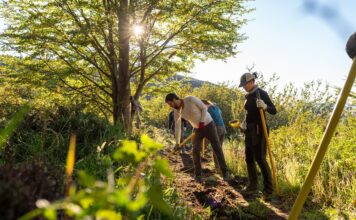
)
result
[(255, 142)]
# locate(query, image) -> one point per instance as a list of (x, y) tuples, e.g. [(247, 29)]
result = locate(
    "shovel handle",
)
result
[(264, 125)]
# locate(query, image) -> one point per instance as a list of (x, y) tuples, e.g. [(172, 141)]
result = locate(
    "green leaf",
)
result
[(13, 124), (108, 215), (138, 203), (122, 197), (50, 214), (86, 202), (155, 196), (162, 166), (129, 152), (148, 145), (86, 179)]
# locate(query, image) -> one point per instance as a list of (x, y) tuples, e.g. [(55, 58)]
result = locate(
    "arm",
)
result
[(170, 121), (270, 106), (177, 126)]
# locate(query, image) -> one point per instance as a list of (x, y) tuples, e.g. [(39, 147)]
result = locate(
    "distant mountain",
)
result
[(190, 80)]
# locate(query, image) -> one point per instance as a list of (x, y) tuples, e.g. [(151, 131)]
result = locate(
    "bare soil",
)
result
[(225, 200)]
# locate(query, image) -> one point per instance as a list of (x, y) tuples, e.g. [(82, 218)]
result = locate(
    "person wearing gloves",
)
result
[(255, 142), (195, 112)]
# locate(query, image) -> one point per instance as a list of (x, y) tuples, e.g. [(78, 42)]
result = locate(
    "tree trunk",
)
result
[(141, 84), (113, 62), (124, 90)]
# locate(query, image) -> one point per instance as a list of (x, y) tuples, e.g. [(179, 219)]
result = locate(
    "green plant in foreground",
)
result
[(125, 194), (13, 123)]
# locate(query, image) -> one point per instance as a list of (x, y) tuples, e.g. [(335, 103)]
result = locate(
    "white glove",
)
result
[(261, 104), (243, 126)]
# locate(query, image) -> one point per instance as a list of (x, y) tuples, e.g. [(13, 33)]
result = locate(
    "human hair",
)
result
[(170, 97)]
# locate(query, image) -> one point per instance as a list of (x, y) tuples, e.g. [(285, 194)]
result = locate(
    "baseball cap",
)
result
[(245, 78)]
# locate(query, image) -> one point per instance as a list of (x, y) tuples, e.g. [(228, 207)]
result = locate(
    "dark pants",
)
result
[(209, 132), (221, 134), (255, 151)]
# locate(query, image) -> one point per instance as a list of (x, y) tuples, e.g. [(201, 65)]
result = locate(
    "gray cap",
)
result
[(245, 78)]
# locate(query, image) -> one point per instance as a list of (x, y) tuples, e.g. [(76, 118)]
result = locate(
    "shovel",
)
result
[(268, 143)]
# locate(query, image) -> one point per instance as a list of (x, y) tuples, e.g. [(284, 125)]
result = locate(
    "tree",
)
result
[(88, 46)]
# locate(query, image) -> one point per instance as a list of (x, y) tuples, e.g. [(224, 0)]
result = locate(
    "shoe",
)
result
[(226, 176)]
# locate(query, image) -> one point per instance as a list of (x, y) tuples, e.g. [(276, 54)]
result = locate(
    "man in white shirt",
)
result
[(194, 110)]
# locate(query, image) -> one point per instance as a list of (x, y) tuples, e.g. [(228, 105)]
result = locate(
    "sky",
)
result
[(299, 40)]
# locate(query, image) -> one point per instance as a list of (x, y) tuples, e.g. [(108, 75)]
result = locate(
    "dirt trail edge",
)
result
[(215, 198)]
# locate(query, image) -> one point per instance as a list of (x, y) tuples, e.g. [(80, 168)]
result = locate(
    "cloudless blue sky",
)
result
[(299, 40)]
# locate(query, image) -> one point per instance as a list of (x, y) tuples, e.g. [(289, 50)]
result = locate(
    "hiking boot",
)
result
[(226, 176)]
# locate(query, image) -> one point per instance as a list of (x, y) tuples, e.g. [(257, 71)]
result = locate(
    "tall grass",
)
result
[(235, 156), (294, 147)]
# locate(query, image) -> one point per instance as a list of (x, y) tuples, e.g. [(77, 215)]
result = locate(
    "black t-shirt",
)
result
[(253, 115)]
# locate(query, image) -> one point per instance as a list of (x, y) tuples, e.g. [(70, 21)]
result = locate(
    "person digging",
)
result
[(255, 142), (195, 112)]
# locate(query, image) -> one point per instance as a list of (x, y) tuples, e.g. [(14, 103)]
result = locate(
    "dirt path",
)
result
[(225, 199)]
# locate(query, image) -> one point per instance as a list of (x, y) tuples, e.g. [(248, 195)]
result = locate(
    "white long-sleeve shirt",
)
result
[(194, 111)]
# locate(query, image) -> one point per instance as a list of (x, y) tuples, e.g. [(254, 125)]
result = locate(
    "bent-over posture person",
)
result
[(195, 112)]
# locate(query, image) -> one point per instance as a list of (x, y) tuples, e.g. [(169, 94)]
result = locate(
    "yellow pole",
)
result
[(187, 139), (70, 164), (184, 142), (334, 119), (203, 150), (269, 149)]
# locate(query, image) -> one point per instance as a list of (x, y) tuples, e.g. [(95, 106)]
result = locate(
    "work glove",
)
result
[(201, 125), (243, 126), (261, 104)]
